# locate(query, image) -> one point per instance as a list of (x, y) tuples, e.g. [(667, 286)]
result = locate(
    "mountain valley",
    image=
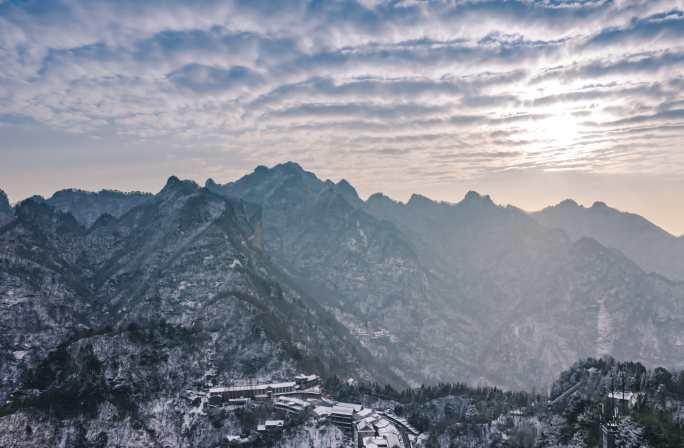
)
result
[(114, 304)]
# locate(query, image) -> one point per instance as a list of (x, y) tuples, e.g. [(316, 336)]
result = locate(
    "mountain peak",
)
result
[(285, 168), (172, 180), (260, 170), (475, 197), (472, 196), (288, 167), (418, 200), (103, 220), (4, 202), (599, 205), (6, 211), (184, 186), (210, 184), (344, 183), (38, 212), (590, 244), (379, 197), (348, 192), (28, 206), (568, 203)]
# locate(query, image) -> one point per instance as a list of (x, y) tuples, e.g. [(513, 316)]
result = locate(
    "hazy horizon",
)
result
[(527, 195), (529, 101)]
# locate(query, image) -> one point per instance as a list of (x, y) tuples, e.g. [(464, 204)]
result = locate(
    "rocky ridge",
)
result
[(104, 328)]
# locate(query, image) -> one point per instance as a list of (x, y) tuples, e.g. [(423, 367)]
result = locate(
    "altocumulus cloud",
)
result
[(557, 84), (207, 79)]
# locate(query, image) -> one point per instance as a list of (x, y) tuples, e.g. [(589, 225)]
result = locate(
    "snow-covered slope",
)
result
[(417, 292), (103, 329)]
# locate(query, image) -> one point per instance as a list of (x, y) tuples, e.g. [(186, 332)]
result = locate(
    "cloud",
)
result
[(205, 79), (667, 27), (604, 93), (486, 84), (646, 63), (668, 116)]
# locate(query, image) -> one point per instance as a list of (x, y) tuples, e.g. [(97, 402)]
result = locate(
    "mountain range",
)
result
[(654, 249), (124, 315), (280, 271)]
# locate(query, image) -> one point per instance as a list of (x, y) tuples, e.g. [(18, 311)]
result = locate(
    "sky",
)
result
[(529, 101)]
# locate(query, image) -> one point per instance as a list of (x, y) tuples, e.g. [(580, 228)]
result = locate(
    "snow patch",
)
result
[(362, 234), (604, 327)]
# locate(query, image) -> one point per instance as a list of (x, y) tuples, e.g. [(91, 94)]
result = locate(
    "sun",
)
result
[(558, 129)]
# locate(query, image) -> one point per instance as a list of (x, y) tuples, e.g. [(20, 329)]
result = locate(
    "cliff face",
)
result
[(360, 268), (105, 326), (103, 330), (468, 291)]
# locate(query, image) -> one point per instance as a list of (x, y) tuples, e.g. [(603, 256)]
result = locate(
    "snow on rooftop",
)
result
[(322, 410), (341, 410), (366, 423), (392, 440), (365, 412), (383, 423), (292, 401), (354, 406), (307, 377), (622, 395), (281, 385), (374, 442), (255, 387)]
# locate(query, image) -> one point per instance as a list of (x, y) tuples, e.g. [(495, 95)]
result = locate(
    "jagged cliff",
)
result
[(104, 329), (107, 320)]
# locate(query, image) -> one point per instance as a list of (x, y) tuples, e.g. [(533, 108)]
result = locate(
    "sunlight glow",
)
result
[(559, 129)]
